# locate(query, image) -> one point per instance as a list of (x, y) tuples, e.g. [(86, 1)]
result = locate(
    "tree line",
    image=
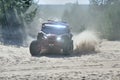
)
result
[(103, 16), (12, 20)]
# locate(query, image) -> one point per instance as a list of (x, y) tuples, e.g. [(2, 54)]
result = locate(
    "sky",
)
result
[(61, 1)]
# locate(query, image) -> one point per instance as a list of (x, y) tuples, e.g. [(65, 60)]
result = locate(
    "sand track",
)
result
[(17, 64)]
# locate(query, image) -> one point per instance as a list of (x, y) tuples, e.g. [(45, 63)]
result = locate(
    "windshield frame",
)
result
[(55, 30)]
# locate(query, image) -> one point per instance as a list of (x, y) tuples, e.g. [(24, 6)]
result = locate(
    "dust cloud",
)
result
[(32, 28), (86, 41)]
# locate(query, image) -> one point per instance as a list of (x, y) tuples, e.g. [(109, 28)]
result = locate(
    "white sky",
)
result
[(61, 1)]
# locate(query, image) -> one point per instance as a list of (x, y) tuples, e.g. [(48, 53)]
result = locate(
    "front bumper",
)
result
[(52, 48)]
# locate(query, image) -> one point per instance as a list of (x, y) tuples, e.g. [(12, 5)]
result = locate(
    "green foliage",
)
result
[(12, 18), (113, 14), (8, 8), (29, 17), (103, 15), (110, 25), (74, 17)]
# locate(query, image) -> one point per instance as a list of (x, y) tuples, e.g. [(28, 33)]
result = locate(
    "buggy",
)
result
[(54, 37)]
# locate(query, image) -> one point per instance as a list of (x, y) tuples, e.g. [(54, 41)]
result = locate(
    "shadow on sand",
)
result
[(60, 55)]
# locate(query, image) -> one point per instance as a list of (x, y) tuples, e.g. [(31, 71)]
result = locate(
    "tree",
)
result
[(113, 14), (12, 18), (66, 15), (74, 17), (110, 20)]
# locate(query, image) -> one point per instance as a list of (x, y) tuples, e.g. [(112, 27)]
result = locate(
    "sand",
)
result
[(16, 63)]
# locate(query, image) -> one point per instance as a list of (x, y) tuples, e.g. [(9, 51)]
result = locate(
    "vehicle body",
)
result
[(54, 37)]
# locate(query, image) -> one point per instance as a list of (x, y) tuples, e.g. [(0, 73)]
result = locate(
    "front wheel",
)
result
[(35, 48), (68, 49)]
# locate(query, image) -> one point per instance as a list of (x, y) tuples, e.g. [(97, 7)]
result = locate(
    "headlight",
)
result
[(59, 38), (45, 37)]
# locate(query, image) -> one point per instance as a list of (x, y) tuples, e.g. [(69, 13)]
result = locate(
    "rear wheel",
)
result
[(35, 48)]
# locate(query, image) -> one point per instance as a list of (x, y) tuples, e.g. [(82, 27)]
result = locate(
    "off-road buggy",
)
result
[(54, 37)]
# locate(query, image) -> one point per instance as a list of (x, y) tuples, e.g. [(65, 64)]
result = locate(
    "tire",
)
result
[(39, 36), (68, 49), (34, 48), (71, 46)]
